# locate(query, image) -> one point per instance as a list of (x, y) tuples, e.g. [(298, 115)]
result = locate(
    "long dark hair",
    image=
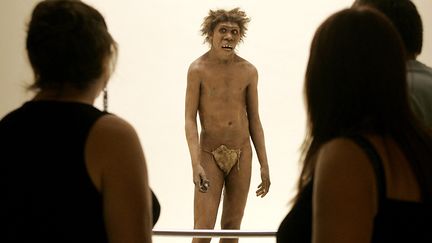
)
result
[(356, 83)]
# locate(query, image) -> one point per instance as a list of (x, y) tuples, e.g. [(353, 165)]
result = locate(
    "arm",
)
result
[(191, 129), (345, 196), (113, 146), (257, 133)]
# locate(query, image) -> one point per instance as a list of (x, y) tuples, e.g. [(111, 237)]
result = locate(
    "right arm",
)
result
[(117, 166), (191, 129)]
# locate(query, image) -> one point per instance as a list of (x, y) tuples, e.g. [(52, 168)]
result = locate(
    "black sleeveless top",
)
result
[(49, 194), (396, 220)]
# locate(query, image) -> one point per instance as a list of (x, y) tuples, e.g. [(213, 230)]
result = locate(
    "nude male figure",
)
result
[(222, 89)]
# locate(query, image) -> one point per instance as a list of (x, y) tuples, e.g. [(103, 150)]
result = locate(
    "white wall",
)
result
[(158, 40), (15, 73)]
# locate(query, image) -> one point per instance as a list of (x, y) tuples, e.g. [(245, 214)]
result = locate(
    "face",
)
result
[(226, 36)]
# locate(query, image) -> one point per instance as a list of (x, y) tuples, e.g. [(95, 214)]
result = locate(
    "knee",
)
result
[(204, 223), (231, 222)]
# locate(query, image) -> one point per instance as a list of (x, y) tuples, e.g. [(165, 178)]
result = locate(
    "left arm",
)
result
[(344, 194), (257, 133)]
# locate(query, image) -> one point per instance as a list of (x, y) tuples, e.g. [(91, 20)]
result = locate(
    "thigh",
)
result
[(206, 204)]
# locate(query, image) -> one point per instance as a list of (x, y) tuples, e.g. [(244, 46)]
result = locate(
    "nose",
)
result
[(228, 36)]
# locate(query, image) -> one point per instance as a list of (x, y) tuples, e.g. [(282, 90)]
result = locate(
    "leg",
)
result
[(236, 191), (206, 204)]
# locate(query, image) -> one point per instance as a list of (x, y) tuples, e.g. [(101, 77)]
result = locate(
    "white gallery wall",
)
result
[(158, 40)]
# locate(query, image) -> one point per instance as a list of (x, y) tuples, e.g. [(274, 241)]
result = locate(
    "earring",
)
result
[(105, 99)]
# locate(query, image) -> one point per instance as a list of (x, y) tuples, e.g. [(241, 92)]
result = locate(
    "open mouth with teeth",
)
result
[(227, 47)]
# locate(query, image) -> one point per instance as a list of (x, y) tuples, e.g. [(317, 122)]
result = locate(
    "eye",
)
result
[(222, 30), (234, 32)]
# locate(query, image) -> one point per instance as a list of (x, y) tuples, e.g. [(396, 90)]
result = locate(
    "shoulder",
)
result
[(342, 164), (198, 65), (418, 70), (112, 145), (419, 81), (115, 124), (248, 69), (338, 147), (251, 68), (341, 153), (113, 131), (195, 66), (246, 65), (195, 71)]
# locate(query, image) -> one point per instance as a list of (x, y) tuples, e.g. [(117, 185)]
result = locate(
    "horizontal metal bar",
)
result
[(206, 233)]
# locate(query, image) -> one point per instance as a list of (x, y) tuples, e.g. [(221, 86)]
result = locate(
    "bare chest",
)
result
[(224, 83)]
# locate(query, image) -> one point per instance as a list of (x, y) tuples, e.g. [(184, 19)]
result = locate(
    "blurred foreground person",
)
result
[(407, 20), (367, 171), (72, 173)]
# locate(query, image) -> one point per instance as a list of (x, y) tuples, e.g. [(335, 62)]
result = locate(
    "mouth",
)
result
[(228, 47)]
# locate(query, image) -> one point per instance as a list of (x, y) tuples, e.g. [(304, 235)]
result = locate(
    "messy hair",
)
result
[(221, 15)]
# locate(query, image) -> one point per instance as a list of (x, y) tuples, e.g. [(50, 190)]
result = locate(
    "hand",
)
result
[(264, 186), (200, 179)]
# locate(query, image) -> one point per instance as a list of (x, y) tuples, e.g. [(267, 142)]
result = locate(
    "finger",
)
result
[(265, 192), (261, 187), (204, 185), (203, 188), (260, 192)]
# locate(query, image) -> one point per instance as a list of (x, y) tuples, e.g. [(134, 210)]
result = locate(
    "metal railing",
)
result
[(204, 233)]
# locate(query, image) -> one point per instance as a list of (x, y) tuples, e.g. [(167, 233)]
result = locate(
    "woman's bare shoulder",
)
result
[(113, 137), (341, 154)]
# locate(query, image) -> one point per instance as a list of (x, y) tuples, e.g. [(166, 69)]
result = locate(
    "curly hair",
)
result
[(221, 15)]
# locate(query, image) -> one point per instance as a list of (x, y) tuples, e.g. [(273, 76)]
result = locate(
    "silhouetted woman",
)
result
[(70, 172), (367, 161)]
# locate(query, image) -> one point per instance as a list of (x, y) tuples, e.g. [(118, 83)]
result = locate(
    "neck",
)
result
[(411, 56), (86, 96), (219, 57)]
